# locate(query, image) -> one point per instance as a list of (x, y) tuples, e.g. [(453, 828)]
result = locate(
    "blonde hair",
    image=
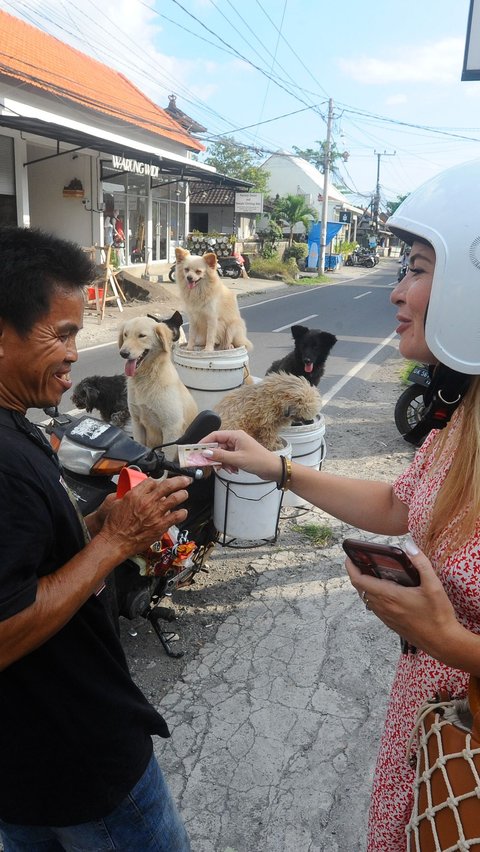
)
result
[(459, 496)]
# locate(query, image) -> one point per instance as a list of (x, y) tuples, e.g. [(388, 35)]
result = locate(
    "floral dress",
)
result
[(418, 676)]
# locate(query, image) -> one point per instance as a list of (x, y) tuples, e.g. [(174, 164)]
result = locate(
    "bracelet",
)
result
[(286, 476)]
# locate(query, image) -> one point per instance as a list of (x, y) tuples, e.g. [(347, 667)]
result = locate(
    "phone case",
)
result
[(384, 561)]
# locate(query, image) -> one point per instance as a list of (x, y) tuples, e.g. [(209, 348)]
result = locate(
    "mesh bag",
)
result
[(446, 808)]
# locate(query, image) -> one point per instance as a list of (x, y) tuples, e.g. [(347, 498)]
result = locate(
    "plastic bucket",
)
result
[(308, 448), (210, 375), (246, 508)]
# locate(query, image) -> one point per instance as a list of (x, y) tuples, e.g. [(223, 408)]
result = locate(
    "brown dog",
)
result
[(160, 405), (264, 409), (215, 321)]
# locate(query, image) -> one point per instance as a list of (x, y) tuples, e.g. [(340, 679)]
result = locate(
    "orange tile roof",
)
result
[(43, 62)]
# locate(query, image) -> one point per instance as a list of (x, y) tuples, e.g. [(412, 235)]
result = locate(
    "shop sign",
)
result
[(249, 202), (124, 165)]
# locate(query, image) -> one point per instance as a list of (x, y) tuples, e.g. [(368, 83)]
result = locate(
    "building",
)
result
[(290, 175), (80, 143)]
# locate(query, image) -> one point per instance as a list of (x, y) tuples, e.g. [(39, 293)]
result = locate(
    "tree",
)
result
[(316, 156), (237, 161), (391, 206), (292, 209)]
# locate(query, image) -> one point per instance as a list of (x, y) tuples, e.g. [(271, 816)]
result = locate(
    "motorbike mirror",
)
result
[(204, 423), (51, 411)]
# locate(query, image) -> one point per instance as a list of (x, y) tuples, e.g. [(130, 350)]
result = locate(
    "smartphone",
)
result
[(384, 561)]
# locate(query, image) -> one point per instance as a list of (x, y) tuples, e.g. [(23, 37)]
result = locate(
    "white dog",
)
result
[(212, 309), (160, 405)]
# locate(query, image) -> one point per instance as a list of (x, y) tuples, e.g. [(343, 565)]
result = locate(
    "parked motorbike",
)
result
[(361, 257), (92, 453), (232, 267), (402, 272), (410, 406)]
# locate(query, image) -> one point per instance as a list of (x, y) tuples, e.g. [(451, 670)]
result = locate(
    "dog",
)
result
[(215, 321), (309, 355), (265, 408), (108, 394), (175, 323), (160, 405)]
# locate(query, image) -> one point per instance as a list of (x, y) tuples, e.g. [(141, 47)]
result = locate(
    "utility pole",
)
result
[(326, 172), (376, 197)]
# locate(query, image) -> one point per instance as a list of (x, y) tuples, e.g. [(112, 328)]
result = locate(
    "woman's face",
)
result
[(410, 297)]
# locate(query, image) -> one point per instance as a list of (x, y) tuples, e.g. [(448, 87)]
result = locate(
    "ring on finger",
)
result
[(365, 600)]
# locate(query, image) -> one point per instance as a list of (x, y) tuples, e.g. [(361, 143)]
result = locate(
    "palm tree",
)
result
[(292, 209)]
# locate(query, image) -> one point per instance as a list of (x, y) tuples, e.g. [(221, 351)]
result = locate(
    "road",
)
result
[(358, 312)]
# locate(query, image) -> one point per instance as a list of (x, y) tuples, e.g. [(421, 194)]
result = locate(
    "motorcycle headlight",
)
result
[(78, 459)]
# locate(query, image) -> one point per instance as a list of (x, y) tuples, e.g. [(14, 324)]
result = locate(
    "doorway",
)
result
[(160, 230)]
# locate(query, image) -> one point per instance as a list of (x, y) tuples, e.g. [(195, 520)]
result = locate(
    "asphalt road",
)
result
[(358, 312)]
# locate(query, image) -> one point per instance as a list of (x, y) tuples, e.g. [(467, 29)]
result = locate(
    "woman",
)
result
[(436, 500)]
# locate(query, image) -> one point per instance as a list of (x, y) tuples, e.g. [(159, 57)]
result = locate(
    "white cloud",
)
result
[(393, 100), (438, 62)]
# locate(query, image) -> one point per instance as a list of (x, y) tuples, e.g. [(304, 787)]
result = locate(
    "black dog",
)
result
[(108, 394), (308, 358)]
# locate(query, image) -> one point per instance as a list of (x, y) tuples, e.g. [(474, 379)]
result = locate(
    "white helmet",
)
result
[(445, 211)]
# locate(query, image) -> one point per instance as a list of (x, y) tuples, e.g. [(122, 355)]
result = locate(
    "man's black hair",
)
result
[(33, 265)]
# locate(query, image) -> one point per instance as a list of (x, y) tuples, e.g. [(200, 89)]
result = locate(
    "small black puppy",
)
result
[(308, 358), (108, 394)]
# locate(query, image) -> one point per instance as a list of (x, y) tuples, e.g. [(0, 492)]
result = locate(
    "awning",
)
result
[(108, 143)]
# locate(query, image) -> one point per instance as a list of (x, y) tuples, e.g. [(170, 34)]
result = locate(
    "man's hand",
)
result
[(133, 523)]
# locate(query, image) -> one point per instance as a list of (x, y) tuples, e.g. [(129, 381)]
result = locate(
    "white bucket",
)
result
[(247, 508), (308, 448), (210, 375)]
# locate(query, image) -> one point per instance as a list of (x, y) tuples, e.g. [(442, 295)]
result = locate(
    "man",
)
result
[(77, 764)]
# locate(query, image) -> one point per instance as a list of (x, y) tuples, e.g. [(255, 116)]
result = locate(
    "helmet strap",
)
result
[(442, 397)]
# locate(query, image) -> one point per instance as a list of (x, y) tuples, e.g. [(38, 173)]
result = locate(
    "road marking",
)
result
[(368, 293), (294, 322), (326, 397)]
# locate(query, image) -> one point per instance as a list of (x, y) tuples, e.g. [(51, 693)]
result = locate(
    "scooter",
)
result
[(232, 267), (410, 406), (361, 257), (92, 453)]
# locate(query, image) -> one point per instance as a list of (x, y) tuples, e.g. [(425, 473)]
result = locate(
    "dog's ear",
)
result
[(298, 331), (91, 395), (210, 259), (329, 340), (176, 319), (164, 336), (181, 254)]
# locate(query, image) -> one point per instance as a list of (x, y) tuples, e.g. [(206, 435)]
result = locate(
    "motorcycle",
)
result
[(91, 453), (410, 406), (232, 267), (172, 272), (402, 272), (361, 257)]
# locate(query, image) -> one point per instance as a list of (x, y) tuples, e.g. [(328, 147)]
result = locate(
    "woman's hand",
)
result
[(423, 615), (238, 451)]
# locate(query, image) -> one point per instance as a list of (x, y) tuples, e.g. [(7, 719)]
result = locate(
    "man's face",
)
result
[(35, 368)]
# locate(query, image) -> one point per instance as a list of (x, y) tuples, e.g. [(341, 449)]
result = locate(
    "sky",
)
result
[(262, 71)]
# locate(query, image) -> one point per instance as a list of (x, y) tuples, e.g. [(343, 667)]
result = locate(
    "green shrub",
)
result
[(298, 251), (269, 251), (272, 268), (345, 247)]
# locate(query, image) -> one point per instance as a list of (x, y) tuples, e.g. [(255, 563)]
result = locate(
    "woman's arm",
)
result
[(362, 503)]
